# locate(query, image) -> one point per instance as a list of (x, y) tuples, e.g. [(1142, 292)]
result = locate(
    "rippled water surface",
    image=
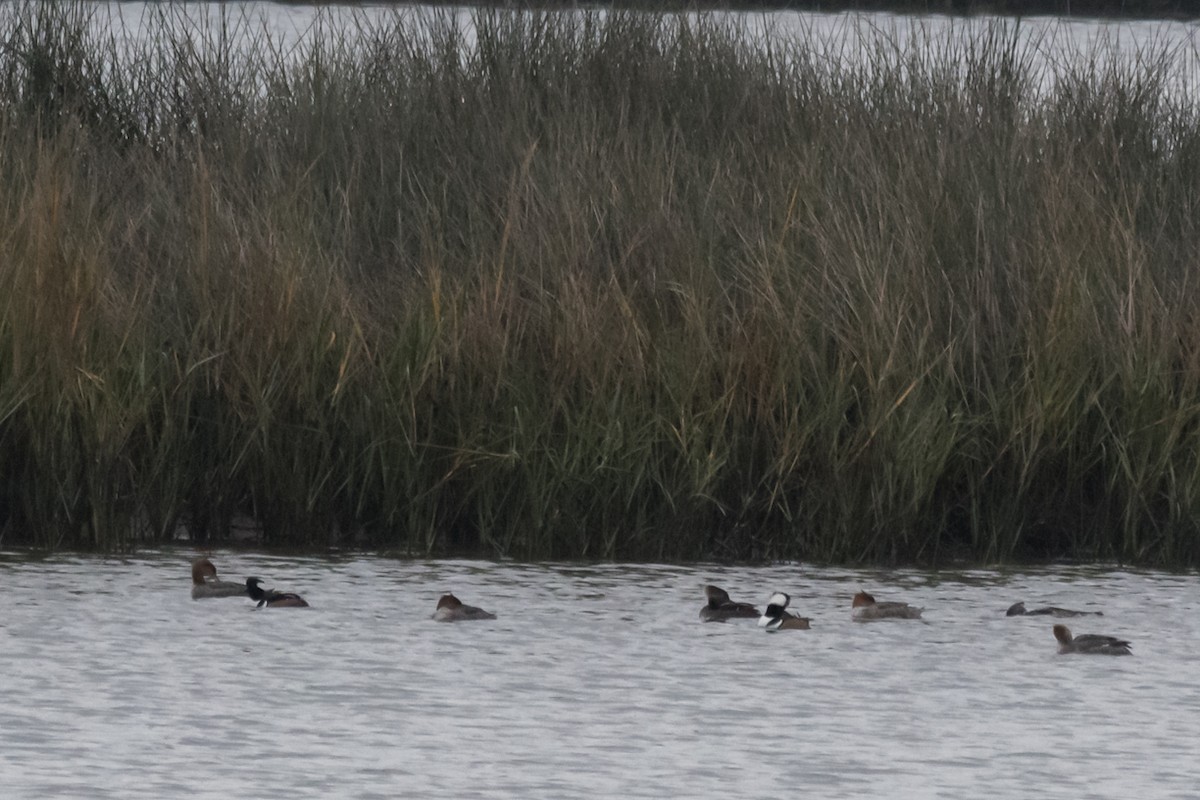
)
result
[(595, 681)]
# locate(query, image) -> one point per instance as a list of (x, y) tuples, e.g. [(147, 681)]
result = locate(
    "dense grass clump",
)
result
[(595, 285)]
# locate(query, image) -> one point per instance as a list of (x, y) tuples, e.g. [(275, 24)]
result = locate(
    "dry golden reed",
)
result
[(594, 285)]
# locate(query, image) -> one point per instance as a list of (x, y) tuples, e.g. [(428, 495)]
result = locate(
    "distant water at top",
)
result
[(1054, 43)]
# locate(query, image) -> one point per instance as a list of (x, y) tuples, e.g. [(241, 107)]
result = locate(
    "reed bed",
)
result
[(594, 285)]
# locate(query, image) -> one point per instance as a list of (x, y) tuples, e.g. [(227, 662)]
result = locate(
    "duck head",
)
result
[(202, 570), (862, 599), (449, 601)]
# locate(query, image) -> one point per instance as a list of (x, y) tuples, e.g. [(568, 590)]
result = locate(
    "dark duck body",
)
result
[(720, 608), (1019, 610), (271, 598), (1090, 643)]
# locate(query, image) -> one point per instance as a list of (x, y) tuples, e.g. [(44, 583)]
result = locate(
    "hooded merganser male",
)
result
[(865, 608), (1090, 643), (451, 609), (777, 618), (721, 608), (1018, 610), (206, 584), (271, 598)]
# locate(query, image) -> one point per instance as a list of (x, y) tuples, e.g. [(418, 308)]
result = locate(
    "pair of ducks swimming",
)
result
[(864, 608), (1088, 643), (205, 583)]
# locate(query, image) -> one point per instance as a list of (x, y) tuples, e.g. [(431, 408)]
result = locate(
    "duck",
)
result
[(864, 608), (451, 609), (777, 618), (721, 608), (206, 584), (271, 598), (1090, 643), (1018, 610)]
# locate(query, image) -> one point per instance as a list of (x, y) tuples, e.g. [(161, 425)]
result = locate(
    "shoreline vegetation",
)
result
[(610, 286)]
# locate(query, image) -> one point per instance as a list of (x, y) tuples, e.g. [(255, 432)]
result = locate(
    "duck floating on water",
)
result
[(864, 608), (451, 609), (1018, 610), (777, 618), (271, 598), (1090, 643), (721, 608), (206, 584)]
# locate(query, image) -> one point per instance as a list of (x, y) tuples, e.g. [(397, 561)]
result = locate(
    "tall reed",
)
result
[(597, 285)]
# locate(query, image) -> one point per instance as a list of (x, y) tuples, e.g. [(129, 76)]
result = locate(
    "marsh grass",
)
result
[(594, 286)]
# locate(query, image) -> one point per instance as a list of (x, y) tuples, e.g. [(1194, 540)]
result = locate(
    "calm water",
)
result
[(595, 681), (1054, 45)]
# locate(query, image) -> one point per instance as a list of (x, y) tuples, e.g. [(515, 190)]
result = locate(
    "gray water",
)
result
[(1053, 46), (595, 681)]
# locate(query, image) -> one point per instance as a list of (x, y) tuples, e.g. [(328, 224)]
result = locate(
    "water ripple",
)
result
[(596, 680)]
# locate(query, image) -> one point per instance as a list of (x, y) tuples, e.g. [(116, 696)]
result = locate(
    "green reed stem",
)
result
[(589, 285)]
